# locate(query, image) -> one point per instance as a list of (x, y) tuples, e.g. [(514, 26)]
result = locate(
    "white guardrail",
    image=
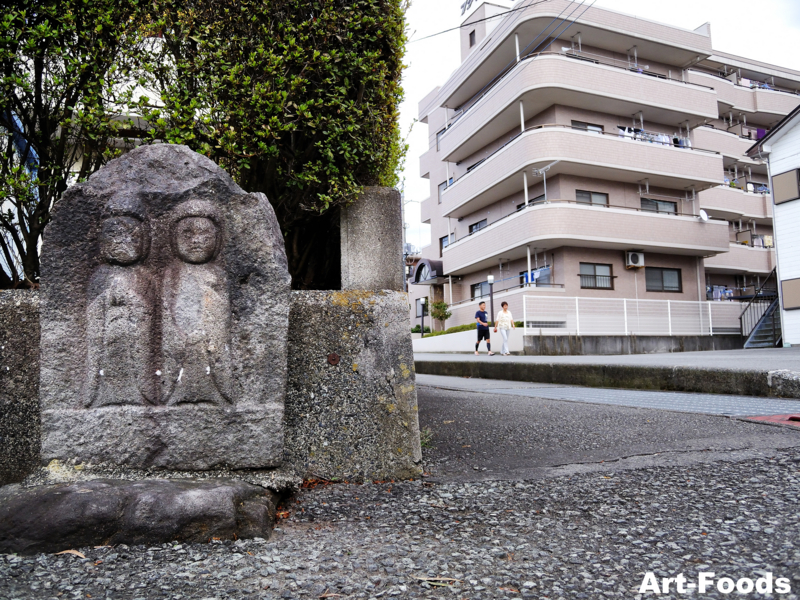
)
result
[(612, 316)]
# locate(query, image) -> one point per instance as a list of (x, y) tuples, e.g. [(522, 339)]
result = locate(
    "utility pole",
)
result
[(490, 279), (422, 302)]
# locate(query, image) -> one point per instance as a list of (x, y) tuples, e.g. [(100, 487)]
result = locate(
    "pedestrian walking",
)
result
[(505, 323), (482, 319)]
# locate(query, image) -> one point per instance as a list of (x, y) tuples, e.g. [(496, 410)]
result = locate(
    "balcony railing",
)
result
[(581, 56), (625, 316), (596, 282), (653, 138), (596, 206), (504, 285), (753, 84)]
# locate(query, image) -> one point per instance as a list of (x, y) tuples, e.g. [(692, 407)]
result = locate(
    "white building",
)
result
[(781, 149)]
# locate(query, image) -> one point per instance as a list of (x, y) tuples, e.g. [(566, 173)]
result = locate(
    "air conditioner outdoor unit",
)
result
[(634, 260)]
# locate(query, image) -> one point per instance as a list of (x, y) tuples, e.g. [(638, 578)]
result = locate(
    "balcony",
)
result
[(729, 144), (580, 153), (732, 204), (598, 27), (566, 223), (742, 260), (575, 80), (761, 105), (425, 208)]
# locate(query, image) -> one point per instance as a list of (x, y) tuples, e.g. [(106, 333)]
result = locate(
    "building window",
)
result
[(420, 306), (442, 188), (477, 226), (423, 273), (663, 280), (590, 127), (471, 38), (537, 200), (444, 242), (479, 290), (596, 277), (593, 198), (439, 137), (660, 206)]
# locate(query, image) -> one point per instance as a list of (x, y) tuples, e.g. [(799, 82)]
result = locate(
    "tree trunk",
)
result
[(313, 248)]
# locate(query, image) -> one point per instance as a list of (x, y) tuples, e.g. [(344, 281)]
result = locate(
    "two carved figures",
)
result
[(164, 318), (158, 335)]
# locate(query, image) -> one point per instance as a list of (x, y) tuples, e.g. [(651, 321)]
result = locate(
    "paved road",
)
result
[(711, 404), (760, 359), (513, 430)]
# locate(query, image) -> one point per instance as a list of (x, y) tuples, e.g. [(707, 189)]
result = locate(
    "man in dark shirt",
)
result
[(482, 319)]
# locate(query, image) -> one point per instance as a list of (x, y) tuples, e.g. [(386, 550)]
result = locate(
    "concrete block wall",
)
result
[(355, 420)]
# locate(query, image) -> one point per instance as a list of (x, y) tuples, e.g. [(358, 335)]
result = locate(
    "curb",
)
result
[(775, 384)]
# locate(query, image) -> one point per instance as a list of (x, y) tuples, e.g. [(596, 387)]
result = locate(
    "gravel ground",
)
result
[(587, 536)]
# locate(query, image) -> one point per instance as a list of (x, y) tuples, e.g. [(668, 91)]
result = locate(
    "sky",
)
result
[(767, 30)]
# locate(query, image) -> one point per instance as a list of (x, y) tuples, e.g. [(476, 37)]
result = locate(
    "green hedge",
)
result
[(458, 328)]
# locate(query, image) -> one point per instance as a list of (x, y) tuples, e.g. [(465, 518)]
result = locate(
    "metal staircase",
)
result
[(767, 334), (760, 320)]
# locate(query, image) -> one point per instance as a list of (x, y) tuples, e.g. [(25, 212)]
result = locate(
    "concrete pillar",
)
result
[(525, 186), (372, 241)]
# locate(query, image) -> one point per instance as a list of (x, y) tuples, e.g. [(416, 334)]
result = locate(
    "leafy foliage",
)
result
[(440, 312), (455, 329), (294, 98), (465, 327), (63, 79)]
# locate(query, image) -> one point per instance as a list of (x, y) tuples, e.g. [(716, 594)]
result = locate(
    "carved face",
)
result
[(123, 240), (196, 239)]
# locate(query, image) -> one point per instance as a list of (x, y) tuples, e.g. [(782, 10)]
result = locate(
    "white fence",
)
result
[(547, 315)]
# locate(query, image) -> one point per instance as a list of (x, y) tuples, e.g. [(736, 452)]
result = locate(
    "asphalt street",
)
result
[(712, 404), (483, 429)]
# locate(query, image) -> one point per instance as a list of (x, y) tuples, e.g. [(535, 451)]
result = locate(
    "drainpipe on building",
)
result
[(699, 289)]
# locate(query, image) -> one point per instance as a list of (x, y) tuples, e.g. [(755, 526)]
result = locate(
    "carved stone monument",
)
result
[(164, 319)]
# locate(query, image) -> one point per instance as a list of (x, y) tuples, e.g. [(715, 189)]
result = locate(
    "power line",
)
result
[(471, 23)]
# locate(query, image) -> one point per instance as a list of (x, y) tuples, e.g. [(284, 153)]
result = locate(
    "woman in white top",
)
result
[(505, 323)]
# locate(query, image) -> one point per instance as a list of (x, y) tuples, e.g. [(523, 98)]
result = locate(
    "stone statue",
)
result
[(165, 312), (119, 316), (196, 311)]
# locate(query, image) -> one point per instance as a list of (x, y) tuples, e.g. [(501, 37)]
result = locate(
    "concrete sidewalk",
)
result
[(759, 372)]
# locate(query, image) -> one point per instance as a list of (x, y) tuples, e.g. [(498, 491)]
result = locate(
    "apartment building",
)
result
[(585, 153)]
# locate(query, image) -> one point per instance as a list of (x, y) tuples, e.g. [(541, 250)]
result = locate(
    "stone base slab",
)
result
[(190, 437), (52, 518)]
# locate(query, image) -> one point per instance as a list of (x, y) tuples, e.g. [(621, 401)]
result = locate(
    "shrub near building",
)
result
[(295, 99)]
